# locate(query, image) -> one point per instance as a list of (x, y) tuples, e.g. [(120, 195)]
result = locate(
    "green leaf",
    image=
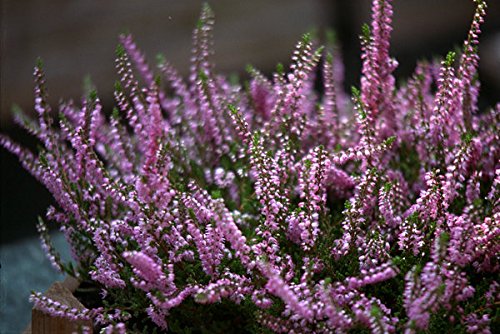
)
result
[(232, 109), (467, 137), (216, 193), (115, 113), (306, 38), (43, 159), (308, 163), (120, 51), (202, 76), (161, 59), (329, 58), (443, 239), (450, 58), (387, 186), (389, 141), (355, 92), (92, 94), (365, 33), (39, 63), (280, 69), (118, 86), (375, 311)]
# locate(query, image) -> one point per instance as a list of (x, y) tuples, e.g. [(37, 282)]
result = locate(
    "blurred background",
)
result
[(77, 38)]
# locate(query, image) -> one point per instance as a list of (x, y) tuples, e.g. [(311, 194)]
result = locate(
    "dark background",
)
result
[(78, 37)]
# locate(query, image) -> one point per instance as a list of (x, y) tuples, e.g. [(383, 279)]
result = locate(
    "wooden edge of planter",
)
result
[(42, 323)]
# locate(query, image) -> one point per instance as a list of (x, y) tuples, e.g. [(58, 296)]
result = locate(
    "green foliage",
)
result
[(450, 58), (365, 33), (222, 317), (408, 163)]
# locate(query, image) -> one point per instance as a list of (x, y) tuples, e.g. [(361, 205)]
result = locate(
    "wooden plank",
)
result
[(42, 323)]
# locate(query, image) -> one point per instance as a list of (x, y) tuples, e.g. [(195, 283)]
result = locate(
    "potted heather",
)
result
[(203, 205)]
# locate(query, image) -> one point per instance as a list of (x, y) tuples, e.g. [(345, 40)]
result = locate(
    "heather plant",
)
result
[(203, 205)]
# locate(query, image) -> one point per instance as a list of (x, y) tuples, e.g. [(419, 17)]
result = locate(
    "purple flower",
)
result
[(303, 207)]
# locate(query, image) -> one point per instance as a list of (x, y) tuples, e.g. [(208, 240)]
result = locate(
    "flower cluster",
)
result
[(207, 204)]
